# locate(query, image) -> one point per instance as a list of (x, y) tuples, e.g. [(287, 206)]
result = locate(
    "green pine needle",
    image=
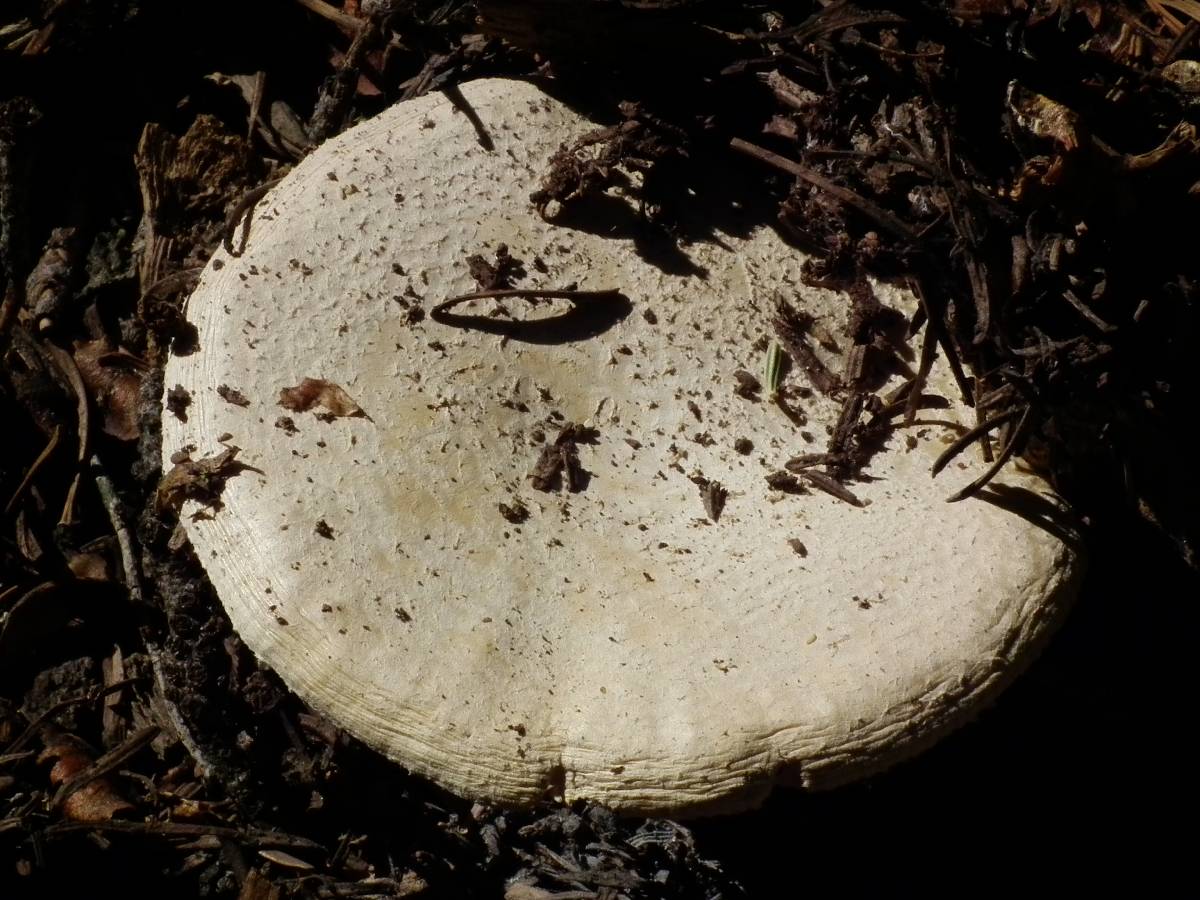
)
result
[(774, 371)]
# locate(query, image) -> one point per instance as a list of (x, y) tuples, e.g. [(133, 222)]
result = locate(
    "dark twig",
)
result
[(243, 214), (872, 211)]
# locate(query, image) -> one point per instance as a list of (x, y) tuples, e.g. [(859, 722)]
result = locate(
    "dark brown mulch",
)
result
[(1029, 168)]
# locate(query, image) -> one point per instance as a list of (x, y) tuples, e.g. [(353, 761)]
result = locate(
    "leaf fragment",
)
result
[(313, 392)]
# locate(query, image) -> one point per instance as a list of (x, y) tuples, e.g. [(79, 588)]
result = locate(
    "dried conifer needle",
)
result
[(970, 437), (1017, 438)]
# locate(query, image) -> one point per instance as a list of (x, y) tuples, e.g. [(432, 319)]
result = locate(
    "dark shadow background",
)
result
[(1081, 775)]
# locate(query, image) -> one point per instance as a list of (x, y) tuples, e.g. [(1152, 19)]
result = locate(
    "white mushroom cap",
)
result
[(617, 645)]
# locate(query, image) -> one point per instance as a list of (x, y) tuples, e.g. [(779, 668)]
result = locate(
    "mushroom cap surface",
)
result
[(617, 644)]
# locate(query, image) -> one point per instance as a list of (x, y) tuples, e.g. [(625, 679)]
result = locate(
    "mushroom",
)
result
[(529, 549)]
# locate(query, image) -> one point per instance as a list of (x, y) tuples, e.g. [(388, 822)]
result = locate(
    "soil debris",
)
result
[(178, 401), (232, 395), (785, 482), (791, 328), (503, 273), (712, 496), (746, 385), (515, 512), (558, 463)]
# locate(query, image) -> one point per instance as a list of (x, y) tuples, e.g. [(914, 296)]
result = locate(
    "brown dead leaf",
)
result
[(113, 385), (89, 566), (318, 392), (257, 887), (201, 480), (96, 801), (1045, 118)]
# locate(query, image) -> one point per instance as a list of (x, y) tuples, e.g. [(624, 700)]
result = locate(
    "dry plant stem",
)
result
[(831, 486), (183, 280), (935, 323)]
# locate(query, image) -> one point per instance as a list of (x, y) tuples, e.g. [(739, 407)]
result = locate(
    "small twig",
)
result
[(901, 54), (9, 758), (791, 329), (1181, 42), (112, 504), (330, 112), (184, 279), (985, 441)]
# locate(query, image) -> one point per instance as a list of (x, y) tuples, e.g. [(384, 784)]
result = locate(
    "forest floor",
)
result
[(1030, 169)]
